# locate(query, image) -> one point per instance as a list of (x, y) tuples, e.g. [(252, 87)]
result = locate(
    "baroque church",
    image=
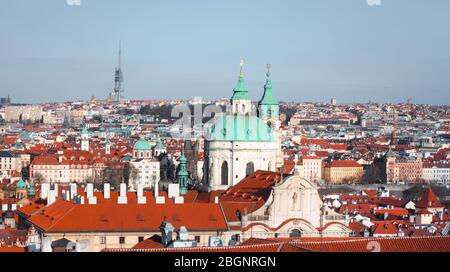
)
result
[(243, 140)]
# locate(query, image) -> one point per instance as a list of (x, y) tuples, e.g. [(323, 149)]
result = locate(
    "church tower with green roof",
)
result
[(182, 175), (241, 102), (240, 141), (269, 113)]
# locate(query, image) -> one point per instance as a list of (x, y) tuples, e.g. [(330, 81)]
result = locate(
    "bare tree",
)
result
[(38, 178)]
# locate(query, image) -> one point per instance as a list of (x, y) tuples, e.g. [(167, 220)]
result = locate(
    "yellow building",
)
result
[(343, 171)]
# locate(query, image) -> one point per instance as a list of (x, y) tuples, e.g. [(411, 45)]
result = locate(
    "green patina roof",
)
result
[(159, 145), (31, 191), (142, 145), (21, 184), (267, 98), (240, 92), (246, 128), (182, 169), (84, 131)]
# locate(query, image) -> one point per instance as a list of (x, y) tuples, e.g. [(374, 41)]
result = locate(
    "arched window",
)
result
[(249, 169), (269, 166), (243, 107), (295, 233), (224, 174)]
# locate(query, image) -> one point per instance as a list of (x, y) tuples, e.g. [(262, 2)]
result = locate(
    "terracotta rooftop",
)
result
[(428, 200), (107, 215)]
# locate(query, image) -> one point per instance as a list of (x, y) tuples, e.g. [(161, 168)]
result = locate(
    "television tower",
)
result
[(118, 78)]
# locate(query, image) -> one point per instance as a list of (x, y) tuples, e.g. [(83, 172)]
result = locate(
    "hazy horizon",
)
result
[(322, 49)]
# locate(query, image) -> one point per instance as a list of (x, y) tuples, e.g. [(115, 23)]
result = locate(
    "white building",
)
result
[(436, 173), (146, 166), (85, 139), (241, 141), (310, 168), (147, 172)]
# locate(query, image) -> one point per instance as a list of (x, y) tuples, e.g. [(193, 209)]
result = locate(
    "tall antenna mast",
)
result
[(120, 55), (118, 78)]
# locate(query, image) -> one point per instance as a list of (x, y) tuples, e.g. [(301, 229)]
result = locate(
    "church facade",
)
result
[(243, 140)]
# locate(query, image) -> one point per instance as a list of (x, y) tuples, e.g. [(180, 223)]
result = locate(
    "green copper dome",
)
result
[(84, 131), (21, 184), (142, 145), (246, 128), (159, 145)]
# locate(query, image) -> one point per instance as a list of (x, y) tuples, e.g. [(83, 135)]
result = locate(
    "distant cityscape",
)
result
[(112, 175)]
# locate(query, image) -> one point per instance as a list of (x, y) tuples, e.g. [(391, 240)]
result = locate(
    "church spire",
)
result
[(240, 92), (267, 98), (182, 175)]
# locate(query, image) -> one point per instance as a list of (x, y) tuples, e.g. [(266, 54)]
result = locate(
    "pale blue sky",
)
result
[(319, 49)]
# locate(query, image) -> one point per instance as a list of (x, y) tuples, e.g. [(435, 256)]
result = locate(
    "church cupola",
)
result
[(21, 189), (268, 106), (107, 146), (240, 101), (31, 190), (85, 139), (182, 175)]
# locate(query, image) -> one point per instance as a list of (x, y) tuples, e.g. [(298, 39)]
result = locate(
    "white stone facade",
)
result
[(148, 173), (237, 155)]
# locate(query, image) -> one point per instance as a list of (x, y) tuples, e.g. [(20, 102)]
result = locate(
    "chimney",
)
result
[(73, 190), (216, 199), (140, 194), (158, 199), (179, 200), (174, 190), (55, 188), (122, 199), (107, 190), (51, 197), (45, 188), (89, 190), (66, 195), (92, 200)]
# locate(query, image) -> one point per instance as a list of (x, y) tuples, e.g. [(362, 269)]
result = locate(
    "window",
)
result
[(121, 240), (140, 239), (224, 175), (103, 240), (250, 168), (197, 239)]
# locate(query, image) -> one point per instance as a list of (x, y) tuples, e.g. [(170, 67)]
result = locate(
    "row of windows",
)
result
[(147, 167), (122, 239)]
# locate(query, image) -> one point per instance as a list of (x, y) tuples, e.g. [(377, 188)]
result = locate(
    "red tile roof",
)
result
[(249, 194), (429, 200), (344, 163), (394, 244), (107, 215)]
